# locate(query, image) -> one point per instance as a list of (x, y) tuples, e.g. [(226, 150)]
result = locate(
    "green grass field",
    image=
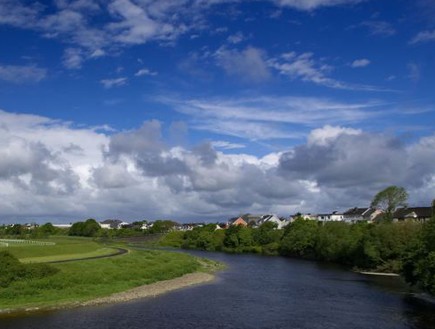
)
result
[(64, 248), (79, 281)]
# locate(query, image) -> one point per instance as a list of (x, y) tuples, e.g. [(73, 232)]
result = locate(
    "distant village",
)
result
[(350, 216)]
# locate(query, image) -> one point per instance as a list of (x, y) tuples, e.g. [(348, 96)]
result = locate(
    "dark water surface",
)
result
[(257, 292)]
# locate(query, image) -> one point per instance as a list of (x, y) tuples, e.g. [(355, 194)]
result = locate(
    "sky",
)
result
[(201, 110)]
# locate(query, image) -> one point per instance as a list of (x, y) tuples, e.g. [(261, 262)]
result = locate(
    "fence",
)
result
[(8, 242)]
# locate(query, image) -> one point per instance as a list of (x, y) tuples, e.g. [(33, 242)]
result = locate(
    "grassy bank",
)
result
[(64, 248), (86, 280)]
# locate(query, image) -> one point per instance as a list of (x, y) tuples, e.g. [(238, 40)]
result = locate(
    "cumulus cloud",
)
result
[(52, 170), (22, 74), (352, 161)]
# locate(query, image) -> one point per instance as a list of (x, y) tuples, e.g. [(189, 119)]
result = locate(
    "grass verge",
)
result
[(86, 280)]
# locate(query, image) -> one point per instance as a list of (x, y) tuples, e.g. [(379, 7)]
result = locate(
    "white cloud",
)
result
[(22, 74), (98, 28), (73, 58), (52, 170), (249, 64), (262, 118), (379, 28), (363, 62), (314, 4), (424, 36), (135, 25), (97, 53), (227, 145), (145, 71), (236, 38), (414, 72), (306, 68), (328, 134), (110, 83)]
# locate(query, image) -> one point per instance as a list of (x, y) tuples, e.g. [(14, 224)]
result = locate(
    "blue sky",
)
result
[(203, 109)]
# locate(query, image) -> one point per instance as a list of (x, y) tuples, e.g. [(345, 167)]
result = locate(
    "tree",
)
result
[(162, 226), (89, 228), (419, 260), (390, 199)]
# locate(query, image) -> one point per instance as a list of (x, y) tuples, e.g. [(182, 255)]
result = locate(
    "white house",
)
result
[(273, 219), (355, 215), (62, 225), (113, 224), (334, 217)]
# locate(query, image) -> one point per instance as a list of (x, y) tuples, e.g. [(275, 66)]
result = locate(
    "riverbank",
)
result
[(133, 275), (144, 291)]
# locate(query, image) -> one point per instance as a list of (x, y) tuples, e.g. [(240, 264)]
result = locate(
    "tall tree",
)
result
[(390, 199)]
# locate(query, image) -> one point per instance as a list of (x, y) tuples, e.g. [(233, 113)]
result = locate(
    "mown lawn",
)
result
[(65, 248), (85, 280)]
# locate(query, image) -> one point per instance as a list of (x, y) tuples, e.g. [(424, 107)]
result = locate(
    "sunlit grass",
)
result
[(64, 247), (84, 280), (45, 259)]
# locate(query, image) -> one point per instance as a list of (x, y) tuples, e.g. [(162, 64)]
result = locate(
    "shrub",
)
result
[(11, 270)]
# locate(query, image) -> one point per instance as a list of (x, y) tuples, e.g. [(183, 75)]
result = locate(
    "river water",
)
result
[(257, 292)]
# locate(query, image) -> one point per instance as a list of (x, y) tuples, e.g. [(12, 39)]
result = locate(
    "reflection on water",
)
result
[(258, 292)]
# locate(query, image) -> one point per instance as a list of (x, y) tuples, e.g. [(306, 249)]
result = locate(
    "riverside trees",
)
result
[(389, 200)]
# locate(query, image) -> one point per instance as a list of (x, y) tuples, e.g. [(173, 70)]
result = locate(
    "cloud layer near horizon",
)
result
[(52, 170)]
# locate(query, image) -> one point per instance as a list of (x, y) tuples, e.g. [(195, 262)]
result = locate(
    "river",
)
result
[(256, 292)]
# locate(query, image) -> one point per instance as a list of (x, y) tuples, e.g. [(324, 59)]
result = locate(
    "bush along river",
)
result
[(257, 292)]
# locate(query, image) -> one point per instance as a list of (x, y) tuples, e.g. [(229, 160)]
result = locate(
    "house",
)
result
[(419, 214), (31, 226), (307, 216), (113, 224), (334, 217), (221, 226), (273, 219), (252, 220), (64, 226), (355, 215), (237, 221)]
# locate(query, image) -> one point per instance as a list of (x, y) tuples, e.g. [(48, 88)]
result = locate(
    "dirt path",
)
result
[(120, 251)]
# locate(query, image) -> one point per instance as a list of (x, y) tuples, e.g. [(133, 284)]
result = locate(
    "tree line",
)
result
[(406, 247), (88, 228)]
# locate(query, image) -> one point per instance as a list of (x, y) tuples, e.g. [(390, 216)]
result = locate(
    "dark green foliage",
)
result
[(300, 238), (406, 247), (389, 199), (12, 270), (419, 259), (267, 234), (173, 239), (90, 228), (161, 226)]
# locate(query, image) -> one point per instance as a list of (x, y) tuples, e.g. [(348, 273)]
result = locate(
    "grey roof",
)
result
[(421, 212), (355, 211)]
